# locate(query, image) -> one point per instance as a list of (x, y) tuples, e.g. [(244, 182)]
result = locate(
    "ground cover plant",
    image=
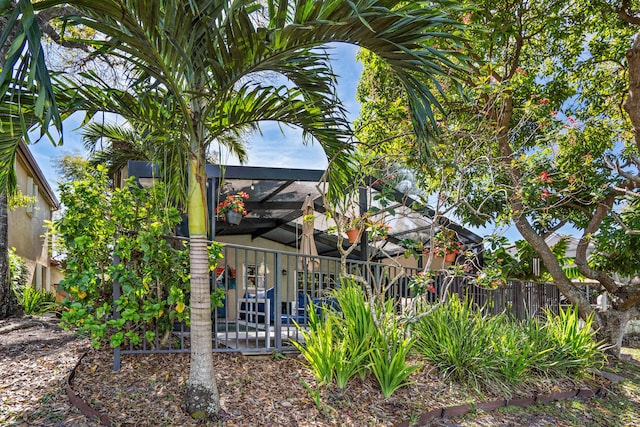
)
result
[(495, 352)]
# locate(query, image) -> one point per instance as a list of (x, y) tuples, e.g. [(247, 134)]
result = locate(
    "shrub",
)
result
[(319, 345), (346, 342), (389, 357), (458, 341), (489, 352), (152, 272), (18, 271), (36, 301), (572, 346)]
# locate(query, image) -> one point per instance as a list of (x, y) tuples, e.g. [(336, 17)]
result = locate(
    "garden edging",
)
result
[(79, 403), (459, 410)]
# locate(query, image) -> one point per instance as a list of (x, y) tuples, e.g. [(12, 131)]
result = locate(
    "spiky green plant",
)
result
[(458, 341), (389, 358), (36, 301)]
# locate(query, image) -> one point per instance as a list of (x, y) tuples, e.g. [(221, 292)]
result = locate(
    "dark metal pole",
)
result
[(364, 239), (116, 314)]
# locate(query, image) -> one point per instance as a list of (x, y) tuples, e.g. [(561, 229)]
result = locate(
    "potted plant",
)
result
[(353, 227), (378, 230), (232, 209), (446, 244)]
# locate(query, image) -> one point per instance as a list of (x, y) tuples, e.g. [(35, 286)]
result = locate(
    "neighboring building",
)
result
[(27, 230)]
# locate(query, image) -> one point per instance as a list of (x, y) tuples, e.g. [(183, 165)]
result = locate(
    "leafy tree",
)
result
[(132, 224), (198, 62), (538, 137)]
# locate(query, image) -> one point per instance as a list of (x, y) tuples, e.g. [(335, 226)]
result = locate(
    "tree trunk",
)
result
[(202, 399), (613, 323), (8, 301)]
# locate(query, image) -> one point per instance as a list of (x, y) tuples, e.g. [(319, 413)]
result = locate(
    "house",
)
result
[(27, 225), (264, 249)]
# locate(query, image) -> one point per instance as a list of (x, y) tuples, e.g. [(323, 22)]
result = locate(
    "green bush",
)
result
[(491, 352), (18, 271), (388, 359), (36, 301), (572, 346), (319, 345), (343, 343), (152, 273), (457, 340)]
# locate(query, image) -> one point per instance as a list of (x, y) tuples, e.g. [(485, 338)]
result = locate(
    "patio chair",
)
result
[(258, 308)]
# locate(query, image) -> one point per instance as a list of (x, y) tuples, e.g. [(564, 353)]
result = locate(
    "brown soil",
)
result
[(37, 357)]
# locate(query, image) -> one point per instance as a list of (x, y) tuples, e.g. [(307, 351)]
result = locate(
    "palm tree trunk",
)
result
[(202, 398), (8, 300)]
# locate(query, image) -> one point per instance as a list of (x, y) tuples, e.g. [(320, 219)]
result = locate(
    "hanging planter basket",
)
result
[(233, 217), (450, 257)]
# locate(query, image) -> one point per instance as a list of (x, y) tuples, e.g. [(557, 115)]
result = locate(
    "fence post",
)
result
[(116, 314), (277, 299)]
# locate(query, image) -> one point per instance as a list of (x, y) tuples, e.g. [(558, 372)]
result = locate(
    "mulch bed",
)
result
[(256, 391)]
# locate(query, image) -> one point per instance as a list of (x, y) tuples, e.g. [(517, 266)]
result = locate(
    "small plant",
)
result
[(319, 346), (315, 396), (278, 356), (389, 359), (18, 271), (574, 349), (457, 340), (233, 202), (36, 301)]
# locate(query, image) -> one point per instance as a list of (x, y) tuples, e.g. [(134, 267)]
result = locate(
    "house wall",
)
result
[(27, 231), (437, 263)]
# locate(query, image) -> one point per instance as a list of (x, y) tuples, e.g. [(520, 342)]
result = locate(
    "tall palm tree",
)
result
[(204, 57)]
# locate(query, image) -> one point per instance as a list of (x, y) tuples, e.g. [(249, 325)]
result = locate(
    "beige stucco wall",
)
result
[(27, 231), (437, 263)]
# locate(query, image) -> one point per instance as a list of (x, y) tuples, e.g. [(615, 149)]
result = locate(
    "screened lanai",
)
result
[(274, 207), (266, 280)]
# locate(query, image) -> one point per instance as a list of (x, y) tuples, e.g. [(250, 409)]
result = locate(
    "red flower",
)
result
[(544, 101), (545, 194)]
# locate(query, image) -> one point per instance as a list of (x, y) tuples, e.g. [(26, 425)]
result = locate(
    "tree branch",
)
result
[(600, 213), (624, 14)]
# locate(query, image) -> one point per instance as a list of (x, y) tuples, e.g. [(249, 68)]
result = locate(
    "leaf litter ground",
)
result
[(255, 391)]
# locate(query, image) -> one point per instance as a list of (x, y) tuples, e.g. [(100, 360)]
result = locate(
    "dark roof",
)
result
[(275, 203)]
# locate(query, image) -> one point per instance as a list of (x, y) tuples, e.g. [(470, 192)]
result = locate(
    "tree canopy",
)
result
[(538, 136)]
